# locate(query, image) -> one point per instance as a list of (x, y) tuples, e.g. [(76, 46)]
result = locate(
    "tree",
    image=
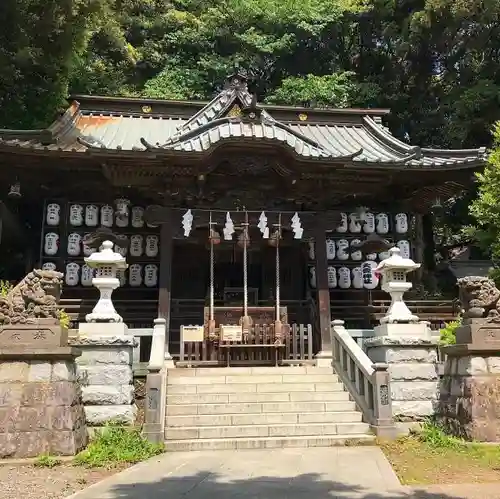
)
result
[(486, 207)]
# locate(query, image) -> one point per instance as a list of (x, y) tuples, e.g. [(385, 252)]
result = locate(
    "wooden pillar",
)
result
[(165, 277), (322, 289), (419, 246), (428, 242)]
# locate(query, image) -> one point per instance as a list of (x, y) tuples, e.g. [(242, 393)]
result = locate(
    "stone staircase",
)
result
[(259, 407)]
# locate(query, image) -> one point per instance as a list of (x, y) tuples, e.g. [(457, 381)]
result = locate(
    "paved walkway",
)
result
[(319, 473), (313, 473)]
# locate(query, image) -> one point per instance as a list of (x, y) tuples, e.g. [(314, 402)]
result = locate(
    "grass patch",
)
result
[(115, 445), (430, 456), (47, 461)]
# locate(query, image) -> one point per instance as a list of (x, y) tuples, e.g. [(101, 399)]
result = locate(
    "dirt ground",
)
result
[(419, 463), (30, 482)]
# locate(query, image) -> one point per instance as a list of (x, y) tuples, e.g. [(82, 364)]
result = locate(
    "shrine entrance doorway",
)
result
[(191, 289)]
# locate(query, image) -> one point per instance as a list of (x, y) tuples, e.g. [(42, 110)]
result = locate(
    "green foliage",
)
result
[(5, 287), (64, 319), (47, 461), (486, 208), (434, 435), (447, 334), (114, 445)]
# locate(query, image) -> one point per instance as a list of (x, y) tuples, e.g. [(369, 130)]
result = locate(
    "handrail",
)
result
[(368, 383)]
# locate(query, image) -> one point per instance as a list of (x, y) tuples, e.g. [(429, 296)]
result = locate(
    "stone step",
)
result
[(245, 371), (265, 387), (254, 397), (254, 379), (258, 407), (268, 442), (279, 430), (276, 418)]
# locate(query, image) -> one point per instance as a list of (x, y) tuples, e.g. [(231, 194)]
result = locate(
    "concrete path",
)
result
[(311, 473)]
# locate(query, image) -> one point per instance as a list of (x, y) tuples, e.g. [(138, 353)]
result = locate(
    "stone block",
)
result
[(10, 394), (413, 408), (418, 330), (391, 355), (493, 365), (14, 371), (99, 329), (98, 415), (101, 355), (39, 370), (63, 371), (108, 394), (470, 365), (45, 333), (105, 375), (413, 372), (417, 390), (51, 393)]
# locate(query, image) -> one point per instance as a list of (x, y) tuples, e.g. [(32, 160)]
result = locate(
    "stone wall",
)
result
[(469, 402), (41, 409), (413, 373), (105, 374)]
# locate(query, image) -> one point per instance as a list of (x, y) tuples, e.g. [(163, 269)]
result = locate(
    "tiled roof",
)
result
[(361, 140)]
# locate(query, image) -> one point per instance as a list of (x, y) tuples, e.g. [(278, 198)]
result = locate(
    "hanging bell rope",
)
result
[(213, 237), (245, 320), (277, 323)]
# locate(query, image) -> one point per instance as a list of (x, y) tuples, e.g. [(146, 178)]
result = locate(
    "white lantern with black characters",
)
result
[(344, 278), (343, 249), (49, 266), (122, 212), (71, 276), (74, 242), (136, 245), (51, 243), (382, 223), (137, 217), (344, 223), (151, 246), (404, 247), (151, 275), (332, 277), (356, 253), (76, 215), (357, 278), (330, 249), (91, 215), (107, 213), (369, 223), (401, 225), (370, 278), (354, 223), (87, 275), (53, 215), (135, 275)]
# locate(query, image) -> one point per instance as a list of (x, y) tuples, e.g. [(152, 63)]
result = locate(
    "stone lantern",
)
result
[(107, 263), (393, 272)]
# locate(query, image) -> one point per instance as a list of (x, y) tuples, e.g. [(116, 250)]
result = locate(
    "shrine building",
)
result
[(228, 212)]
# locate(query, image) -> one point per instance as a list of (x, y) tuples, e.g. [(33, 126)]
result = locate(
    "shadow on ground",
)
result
[(210, 485)]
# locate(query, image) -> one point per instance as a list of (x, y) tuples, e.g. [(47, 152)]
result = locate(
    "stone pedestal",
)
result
[(105, 374), (41, 410), (469, 399), (411, 354)]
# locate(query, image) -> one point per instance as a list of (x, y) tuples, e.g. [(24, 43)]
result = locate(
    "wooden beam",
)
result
[(322, 284), (165, 277)]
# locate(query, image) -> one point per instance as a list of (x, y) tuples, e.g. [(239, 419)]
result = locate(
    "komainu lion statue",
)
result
[(35, 297), (479, 298)]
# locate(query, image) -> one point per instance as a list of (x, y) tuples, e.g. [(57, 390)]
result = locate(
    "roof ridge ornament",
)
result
[(238, 80)]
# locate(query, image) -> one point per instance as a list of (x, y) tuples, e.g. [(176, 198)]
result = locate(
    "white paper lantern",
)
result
[(87, 250), (71, 275), (332, 277), (151, 275), (49, 266), (87, 275), (74, 242), (107, 216), (382, 223), (151, 246), (330, 249), (404, 247), (53, 216), (51, 243), (136, 245), (135, 275), (354, 224), (122, 215), (343, 225), (311, 252), (370, 280), (343, 249), (91, 215), (312, 277), (137, 217), (401, 223), (383, 255), (344, 278), (122, 250), (369, 223), (371, 256), (357, 278), (356, 253), (76, 215)]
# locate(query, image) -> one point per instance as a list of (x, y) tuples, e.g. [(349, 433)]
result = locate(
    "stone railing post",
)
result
[(160, 361), (382, 404)]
